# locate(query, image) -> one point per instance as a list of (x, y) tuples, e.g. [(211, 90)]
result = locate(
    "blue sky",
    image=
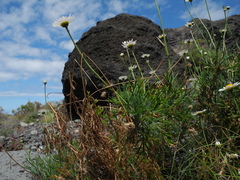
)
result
[(32, 51)]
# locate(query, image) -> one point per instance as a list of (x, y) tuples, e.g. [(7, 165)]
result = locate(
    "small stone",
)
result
[(34, 148), (31, 123), (77, 120), (34, 132), (15, 134), (23, 124), (2, 139), (27, 147), (76, 131)]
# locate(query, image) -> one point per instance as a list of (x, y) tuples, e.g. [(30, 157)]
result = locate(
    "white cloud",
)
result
[(215, 9), (43, 34), (22, 69), (17, 94), (117, 6), (7, 76), (35, 66), (30, 46), (68, 45)]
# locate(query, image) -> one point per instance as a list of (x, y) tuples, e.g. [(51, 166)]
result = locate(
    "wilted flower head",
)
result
[(226, 8), (229, 86), (122, 54), (122, 78), (193, 131), (188, 0), (44, 82), (145, 55), (189, 24), (63, 21), (232, 156), (129, 44), (129, 126), (199, 112)]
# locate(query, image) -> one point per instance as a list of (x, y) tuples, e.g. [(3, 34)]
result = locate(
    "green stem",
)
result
[(81, 54), (211, 39), (136, 61), (45, 93), (164, 37)]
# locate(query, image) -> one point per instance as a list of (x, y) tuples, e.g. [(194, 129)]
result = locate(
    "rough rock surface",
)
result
[(176, 36), (102, 44), (25, 137), (10, 170)]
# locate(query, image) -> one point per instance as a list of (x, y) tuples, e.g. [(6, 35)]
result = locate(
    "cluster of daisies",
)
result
[(65, 20)]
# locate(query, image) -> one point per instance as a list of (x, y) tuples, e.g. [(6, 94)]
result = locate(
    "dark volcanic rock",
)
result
[(177, 36), (102, 44)]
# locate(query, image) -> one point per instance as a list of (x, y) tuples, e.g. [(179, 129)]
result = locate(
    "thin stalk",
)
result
[(195, 42), (189, 12), (136, 61), (209, 15), (211, 39), (79, 51), (45, 93), (164, 37)]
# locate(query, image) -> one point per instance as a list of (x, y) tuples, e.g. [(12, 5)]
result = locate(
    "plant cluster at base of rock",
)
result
[(165, 117)]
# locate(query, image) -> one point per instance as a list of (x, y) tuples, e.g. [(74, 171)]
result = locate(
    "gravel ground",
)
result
[(10, 170)]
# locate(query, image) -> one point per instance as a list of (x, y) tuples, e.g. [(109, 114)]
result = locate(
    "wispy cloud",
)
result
[(32, 50), (23, 94), (200, 10), (18, 94)]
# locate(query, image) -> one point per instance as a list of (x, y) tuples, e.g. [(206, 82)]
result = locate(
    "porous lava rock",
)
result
[(103, 45), (177, 36)]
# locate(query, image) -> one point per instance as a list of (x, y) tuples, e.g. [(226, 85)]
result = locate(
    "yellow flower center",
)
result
[(130, 45), (64, 24)]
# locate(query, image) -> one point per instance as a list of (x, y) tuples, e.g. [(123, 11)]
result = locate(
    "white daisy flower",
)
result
[(189, 24), (226, 8), (129, 44), (152, 72), (188, 0), (122, 55), (44, 82), (187, 41), (223, 30), (218, 144), (145, 55), (131, 68), (122, 78), (63, 21), (183, 52), (229, 86), (162, 36), (199, 112)]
